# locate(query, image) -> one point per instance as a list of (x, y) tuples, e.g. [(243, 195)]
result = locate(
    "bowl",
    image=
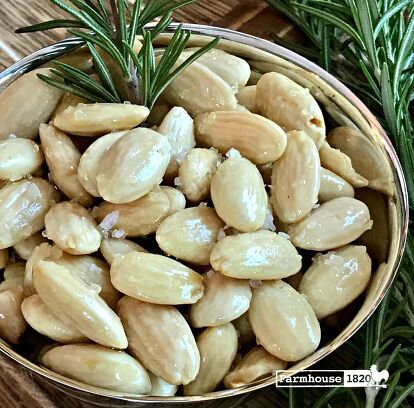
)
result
[(344, 108)]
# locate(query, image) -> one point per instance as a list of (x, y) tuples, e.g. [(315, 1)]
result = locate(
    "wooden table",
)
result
[(18, 389)]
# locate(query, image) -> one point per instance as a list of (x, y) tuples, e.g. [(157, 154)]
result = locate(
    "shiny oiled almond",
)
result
[(156, 279), (111, 247), (44, 321), (23, 205), (366, 159), (67, 100), (233, 70), (140, 217), (167, 348), (99, 366), (178, 128), (133, 166), (335, 223), (99, 118), (335, 279), (247, 98), (291, 106), (161, 388), (91, 159), (256, 364), (26, 247), (18, 158), (40, 252), (4, 257), (27, 103), (340, 164), (333, 186), (93, 271), (13, 276), (258, 139), (283, 321), (196, 171), (62, 158), (78, 305), (296, 179), (175, 197), (190, 234), (239, 195), (198, 89), (225, 299), (244, 329), (255, 255), (12, 323), (218, 347), (72, 228)]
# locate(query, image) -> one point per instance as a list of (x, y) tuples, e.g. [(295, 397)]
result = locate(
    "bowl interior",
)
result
[(343, 108)]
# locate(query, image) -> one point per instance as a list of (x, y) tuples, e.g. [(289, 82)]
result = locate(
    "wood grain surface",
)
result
[(18, 389)]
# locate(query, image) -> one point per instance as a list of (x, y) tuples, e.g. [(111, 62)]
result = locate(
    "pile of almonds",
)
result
[(170, 251)]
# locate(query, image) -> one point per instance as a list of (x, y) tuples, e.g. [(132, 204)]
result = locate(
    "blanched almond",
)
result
[(196, 171), (258, 139), (91, 159), (62, 158), (190, 234), (27, 103), (72, 228), (198, 89), (239, 195), (67, 100), (367, 159), (13, 276), (335, 223), (178, 128), (167, 348), (99, 366), (225, 299), (140, 217), (256, 364), (176, 199), (98, 119), (12, 323), (26, 247), (233, 70), (156, 279), (23, 205), (336, 279), (44, 321), (296, 179), (161, 388), (19, 158), (255, 255), (133, 166), (244, 329), (247, 98), (218, 347), (291, 106), (111, 247), (283, 321), (77, 305), (340, 164), (333, 186)]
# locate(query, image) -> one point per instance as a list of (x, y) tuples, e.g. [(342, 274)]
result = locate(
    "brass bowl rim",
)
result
[(50, 52)]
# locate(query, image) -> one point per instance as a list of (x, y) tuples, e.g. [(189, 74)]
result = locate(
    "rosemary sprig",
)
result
[(368, 45), (124, 75)]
